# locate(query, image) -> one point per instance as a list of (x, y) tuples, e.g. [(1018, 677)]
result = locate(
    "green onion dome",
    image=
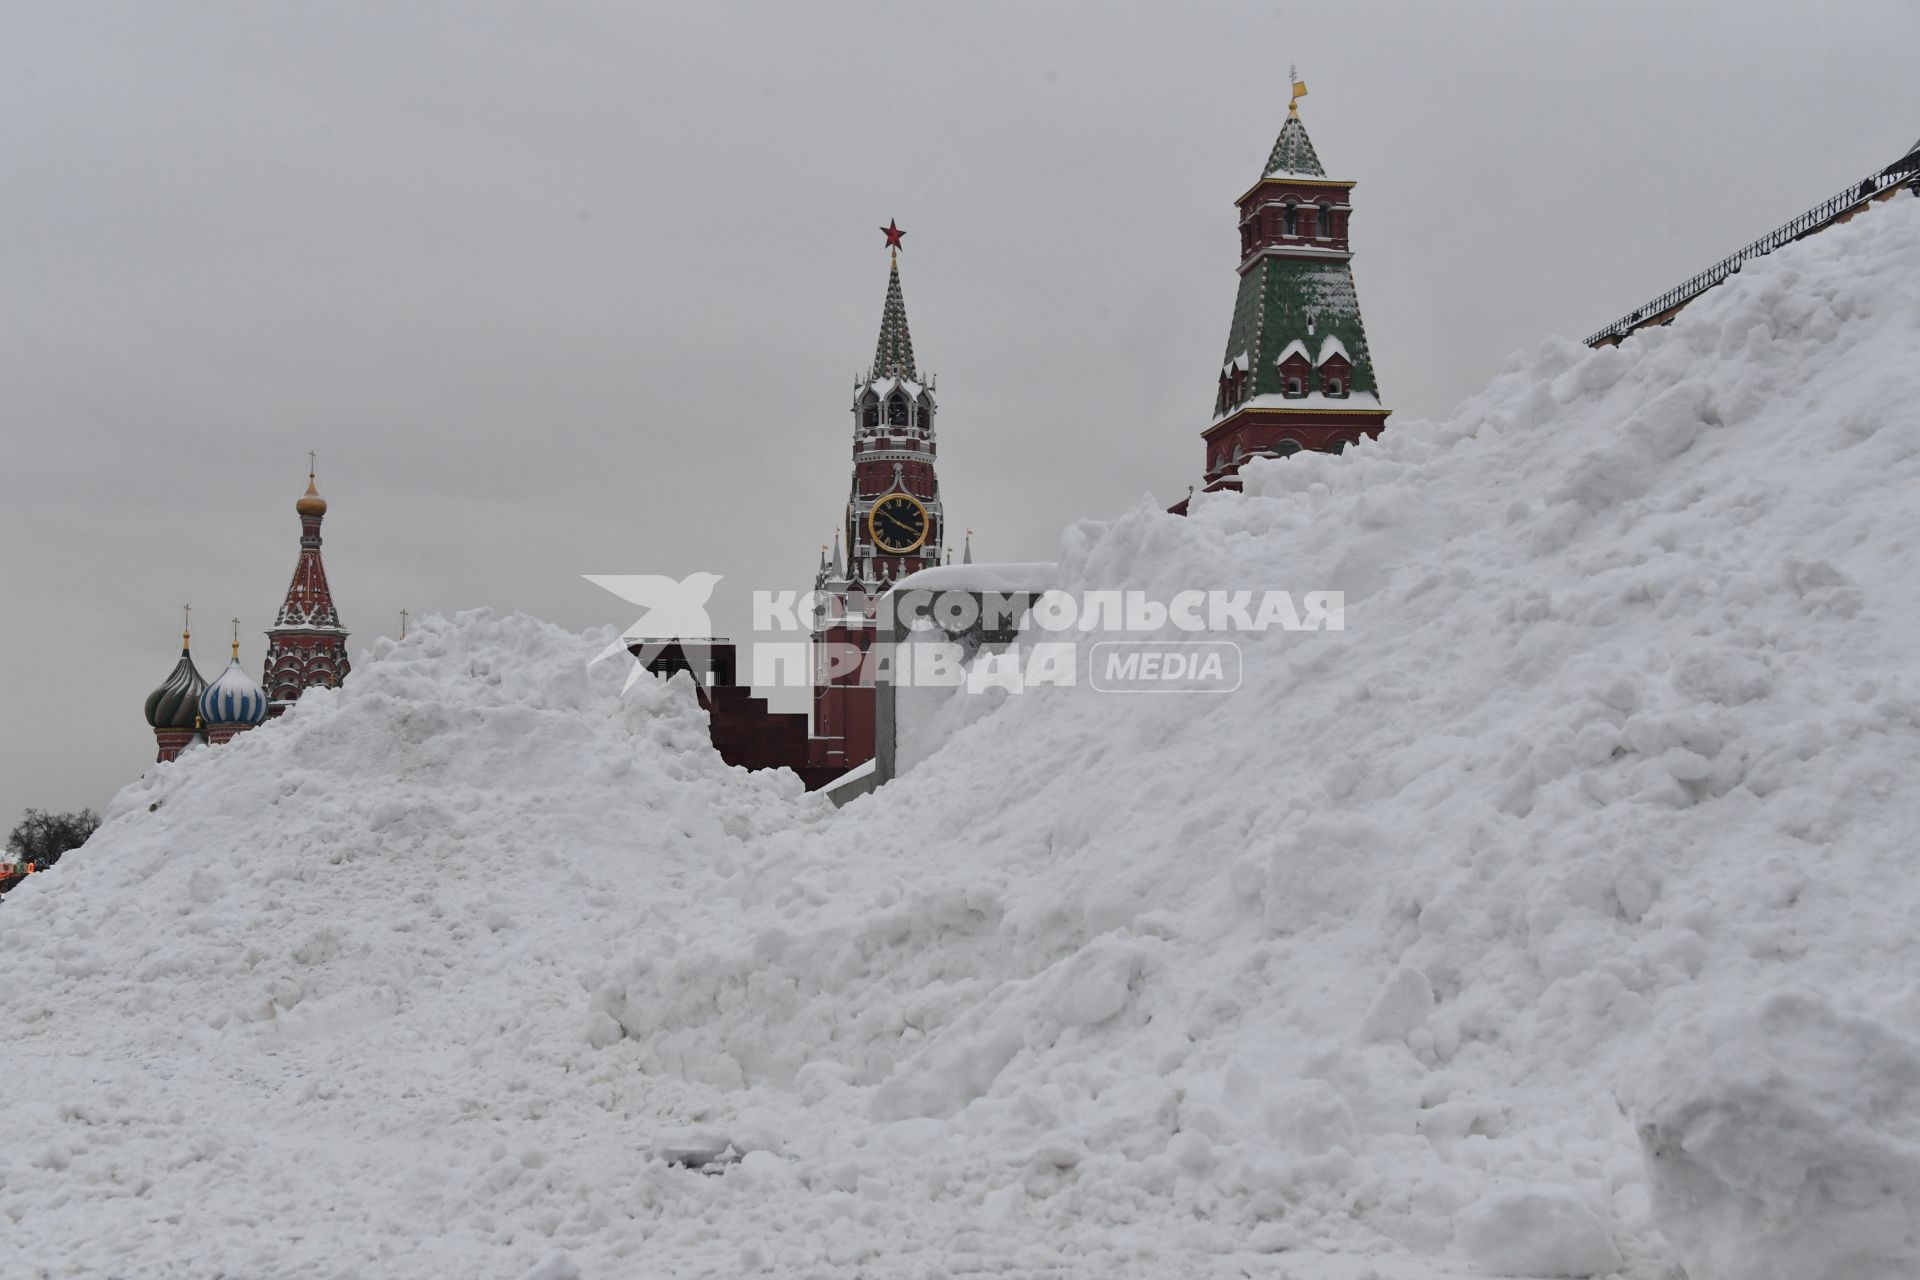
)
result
[(176, 703)]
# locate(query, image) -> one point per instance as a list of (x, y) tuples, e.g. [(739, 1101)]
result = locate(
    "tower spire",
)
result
[(1293, 154), (893, 354)]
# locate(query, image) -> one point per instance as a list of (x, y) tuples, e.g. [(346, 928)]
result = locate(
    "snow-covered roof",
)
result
[(1301, 249), (1332, 346), (1037, 575), (1312, 400), (1296, 347), (1293, 155)]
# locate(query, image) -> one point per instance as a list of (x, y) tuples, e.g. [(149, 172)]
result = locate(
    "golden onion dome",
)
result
[(311, 503)]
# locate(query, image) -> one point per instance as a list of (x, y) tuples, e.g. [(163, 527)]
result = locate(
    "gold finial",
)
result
[(236, 639), (186, 624), (1299, 92)]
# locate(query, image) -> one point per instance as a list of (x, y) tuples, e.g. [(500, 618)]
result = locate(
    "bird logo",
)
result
[(674, 609)]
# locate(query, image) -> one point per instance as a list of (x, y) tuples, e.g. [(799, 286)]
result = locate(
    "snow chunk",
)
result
[(1784, 1144), (1538, 1231), (1403, 1005)]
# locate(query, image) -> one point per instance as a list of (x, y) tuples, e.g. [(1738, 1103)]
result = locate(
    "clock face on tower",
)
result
[(898, 523)]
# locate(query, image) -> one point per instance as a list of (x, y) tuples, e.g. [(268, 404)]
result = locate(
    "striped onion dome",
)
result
[(176, 703), (233, 698)]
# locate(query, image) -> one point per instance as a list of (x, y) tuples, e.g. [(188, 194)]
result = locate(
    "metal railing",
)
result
[(1812, 220)]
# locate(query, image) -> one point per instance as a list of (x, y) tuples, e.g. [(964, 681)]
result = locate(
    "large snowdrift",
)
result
[(1555, 918)]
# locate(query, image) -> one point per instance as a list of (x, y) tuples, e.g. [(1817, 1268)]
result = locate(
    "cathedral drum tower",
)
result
[(894, 526), (1296, 374), (307, 645)]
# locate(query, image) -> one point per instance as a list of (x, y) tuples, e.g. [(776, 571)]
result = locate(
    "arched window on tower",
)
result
[(870, 411), (1284, 448), (897, 410), (1294, 387), (1290, 221), (1323, 223)]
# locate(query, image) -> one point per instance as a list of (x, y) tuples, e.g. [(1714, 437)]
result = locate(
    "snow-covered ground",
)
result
[(1558, 917)]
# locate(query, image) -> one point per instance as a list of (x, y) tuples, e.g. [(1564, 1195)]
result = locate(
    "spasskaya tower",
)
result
[(893, 524)]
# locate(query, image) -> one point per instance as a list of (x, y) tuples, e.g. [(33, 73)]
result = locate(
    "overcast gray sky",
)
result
[(569, 288)]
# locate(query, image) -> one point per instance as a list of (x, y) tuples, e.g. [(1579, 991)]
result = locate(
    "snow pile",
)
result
[(311, 1003), (1590, 834), (1786, 1143)]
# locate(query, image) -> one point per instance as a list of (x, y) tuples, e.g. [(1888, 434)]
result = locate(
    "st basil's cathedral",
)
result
[(306, 647)]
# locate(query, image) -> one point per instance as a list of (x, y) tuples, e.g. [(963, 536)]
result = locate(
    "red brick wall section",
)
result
[(748, 735)]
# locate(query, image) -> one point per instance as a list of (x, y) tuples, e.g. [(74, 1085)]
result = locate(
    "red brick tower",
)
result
[(894, 526), (1297, 373), (307, 645)]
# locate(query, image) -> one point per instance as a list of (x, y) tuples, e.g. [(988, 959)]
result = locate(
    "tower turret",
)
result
[(307, 645), (1297, 373)]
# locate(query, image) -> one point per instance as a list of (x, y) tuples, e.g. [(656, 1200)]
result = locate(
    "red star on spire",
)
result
[(893, 233)]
